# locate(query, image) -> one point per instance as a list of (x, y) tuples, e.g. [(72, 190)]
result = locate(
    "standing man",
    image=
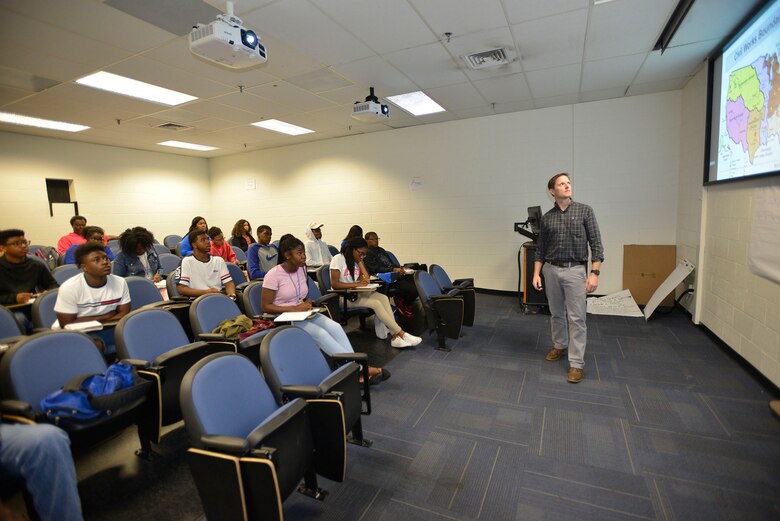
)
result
[(203, 273), (562, 257)]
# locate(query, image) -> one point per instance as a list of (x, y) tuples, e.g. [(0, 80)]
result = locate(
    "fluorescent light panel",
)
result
[(190, 146), (599, 2), (283, 127), (416, 103), (18, 119), (137, 89)]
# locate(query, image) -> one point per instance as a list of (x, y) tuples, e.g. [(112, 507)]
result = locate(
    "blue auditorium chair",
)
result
[(443, 311)]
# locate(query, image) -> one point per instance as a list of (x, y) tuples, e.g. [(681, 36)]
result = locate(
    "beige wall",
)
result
[(478, 177), (115, 187), (742, 309)]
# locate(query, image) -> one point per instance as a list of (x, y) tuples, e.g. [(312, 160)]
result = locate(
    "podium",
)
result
[(525, 264)]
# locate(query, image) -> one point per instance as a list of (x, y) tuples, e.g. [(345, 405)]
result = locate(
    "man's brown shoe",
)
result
[(555, 354), (575, 375)]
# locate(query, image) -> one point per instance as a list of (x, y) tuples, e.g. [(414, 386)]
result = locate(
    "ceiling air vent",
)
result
[(175, 127), (485, 59)]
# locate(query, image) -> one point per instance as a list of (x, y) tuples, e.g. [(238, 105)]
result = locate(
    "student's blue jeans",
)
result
[(40, 454)]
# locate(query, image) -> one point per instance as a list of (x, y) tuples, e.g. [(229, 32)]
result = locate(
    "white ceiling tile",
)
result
[(290, 95), (598, 95), (376, 72), (552, 41), (657, 86), (612, 72), (179, 116), (523, 10), (428, 66), (625, 27), (257, 105), (150, 71), (383, 25), (456, 97), (308, 30), (464, 18), (557, 81), (506, 89), (675, 62), (347, 95), (11, 94), (476, 112), (514, 106), (555, 101), (321, 80), (218, 110)]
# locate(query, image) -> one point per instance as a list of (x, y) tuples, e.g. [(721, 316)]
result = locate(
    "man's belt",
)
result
[(566, 264)]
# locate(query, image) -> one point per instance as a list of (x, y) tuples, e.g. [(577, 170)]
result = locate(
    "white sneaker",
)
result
[(411, 339), (399, 342), (380, 329)]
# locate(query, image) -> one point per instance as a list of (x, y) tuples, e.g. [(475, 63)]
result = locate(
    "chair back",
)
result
[(9, 326), (224, 394), (43, 315), (64, 272), (35, 258), (333, 250), (426, 285), (177, 249), (240, 255), (440, 276), (145, 334), (251, 297), (169, 262), (113, 245), (314, 289), (236, 273), (172, 281), (42, 363), (142, 292), (290, 356), (170, 241), (208, 310), (393, 258), (160, 249), (323, 278)]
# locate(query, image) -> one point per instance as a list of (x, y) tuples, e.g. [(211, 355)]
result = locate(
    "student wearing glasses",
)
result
[(20, 277), (347, 271)]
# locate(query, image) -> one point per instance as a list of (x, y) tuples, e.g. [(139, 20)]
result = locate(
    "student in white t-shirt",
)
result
[(202, 272)]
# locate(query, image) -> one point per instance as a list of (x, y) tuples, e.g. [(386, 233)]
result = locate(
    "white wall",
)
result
[(115, 187), (478, 176)]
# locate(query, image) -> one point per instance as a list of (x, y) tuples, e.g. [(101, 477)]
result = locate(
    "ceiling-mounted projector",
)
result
[(370, 111), (227, 42)]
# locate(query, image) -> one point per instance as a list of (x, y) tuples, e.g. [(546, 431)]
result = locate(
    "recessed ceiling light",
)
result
[(134, 88), (191, 146), (416, 103), (18, 119), (599, 2), (281, 126)]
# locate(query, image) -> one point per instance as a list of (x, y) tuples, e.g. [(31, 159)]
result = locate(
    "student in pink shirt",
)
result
[(77, 222), (220, 247)]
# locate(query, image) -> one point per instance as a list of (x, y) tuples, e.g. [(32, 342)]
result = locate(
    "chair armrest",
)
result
[(338, 376), (301, 391), (163, 358), (136, 363), (323, 299), (448, 295), (242, 286), (255, 339), (230, 444), (212, 337), (16, 408), (463, 283), (342, 358), (275, 421)]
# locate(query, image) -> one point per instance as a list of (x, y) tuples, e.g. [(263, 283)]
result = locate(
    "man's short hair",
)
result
[(194, 234), (262, 228), (371, 235), (85, 249), (9, 233), (214, 232), (551, 182), (89, 230), (76, 217)]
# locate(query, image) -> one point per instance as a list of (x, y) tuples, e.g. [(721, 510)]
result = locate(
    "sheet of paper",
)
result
[(672, 281), (367, 287), (293, 316), (92, 325), (620, 304)]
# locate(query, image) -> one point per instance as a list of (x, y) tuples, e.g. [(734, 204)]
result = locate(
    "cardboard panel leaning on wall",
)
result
[(115, 187)]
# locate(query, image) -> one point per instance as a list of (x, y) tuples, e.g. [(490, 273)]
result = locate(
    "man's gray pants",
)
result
[(565, 288)]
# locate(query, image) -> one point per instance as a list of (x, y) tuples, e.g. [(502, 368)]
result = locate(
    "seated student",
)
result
[(90, 233), (354, 232), (285, 288), (317, 252), (20, 277), (220, 247), (348, 271), (263, 255), (378, 261), (95, 295), (40, 454), (242, 235), (137, 257), (77, 222), (203, 273), (198, 223)]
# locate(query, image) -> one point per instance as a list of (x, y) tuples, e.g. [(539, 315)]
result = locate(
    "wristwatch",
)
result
[(596, 272)]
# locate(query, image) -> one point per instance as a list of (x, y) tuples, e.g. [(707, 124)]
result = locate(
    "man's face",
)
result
[(96, 264), (202, 243), (79, 225), (16, 248), (264, 238), (317, 233), (562, 188), (373, 241)]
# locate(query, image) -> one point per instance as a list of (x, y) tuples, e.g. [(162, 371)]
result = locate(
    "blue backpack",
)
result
[(87, 397)]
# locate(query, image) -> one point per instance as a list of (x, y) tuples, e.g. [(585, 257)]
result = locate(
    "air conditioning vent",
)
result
[(174, 127), (485, 59)]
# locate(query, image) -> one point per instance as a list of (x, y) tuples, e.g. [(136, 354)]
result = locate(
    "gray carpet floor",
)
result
[(666, 426)]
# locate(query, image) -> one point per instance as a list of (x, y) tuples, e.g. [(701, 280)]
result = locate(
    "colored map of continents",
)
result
[(751, 106)]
